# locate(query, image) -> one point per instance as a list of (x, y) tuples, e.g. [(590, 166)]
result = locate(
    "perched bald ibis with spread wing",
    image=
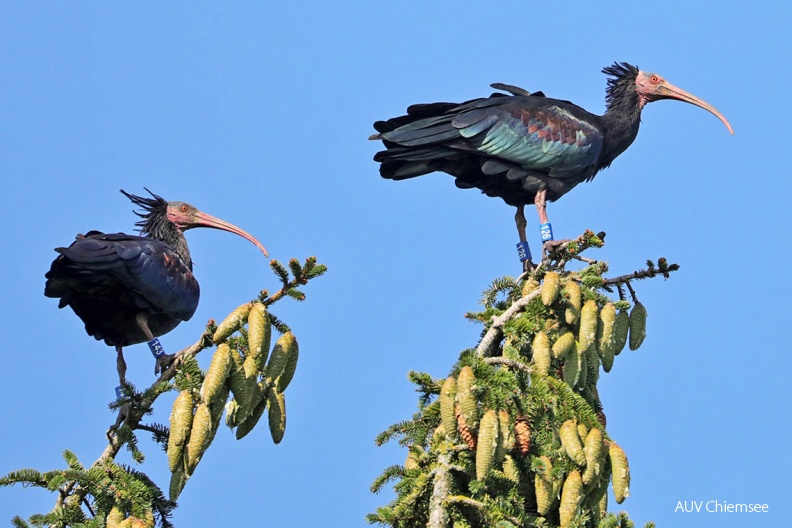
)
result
[(524, 148), (130, 289)]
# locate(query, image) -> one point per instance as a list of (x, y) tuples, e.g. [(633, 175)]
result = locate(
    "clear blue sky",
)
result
[(258, 112)]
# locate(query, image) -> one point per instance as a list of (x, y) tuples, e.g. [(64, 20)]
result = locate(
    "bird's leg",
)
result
[(519, 219), (540, 200), (121, 365), (550, 246), (163, 360), (522, 248)]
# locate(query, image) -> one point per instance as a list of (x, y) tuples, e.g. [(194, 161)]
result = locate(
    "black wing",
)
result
[(149, 272), (508, 146)]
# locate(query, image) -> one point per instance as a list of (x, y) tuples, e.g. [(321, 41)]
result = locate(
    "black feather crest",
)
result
[(619, 70), (622, 75), (153, 210)]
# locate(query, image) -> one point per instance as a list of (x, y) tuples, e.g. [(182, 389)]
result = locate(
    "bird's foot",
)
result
[(164, 361), (123, 412)]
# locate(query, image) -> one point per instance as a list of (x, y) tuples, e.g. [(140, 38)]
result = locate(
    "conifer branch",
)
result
[(490, 340), (441, 489), (93, 490), (663, 268), (563, 251), (131, 415), (302, 275), (390, 473), (150, 428), (526, 405), (480, 506), (513, 363)]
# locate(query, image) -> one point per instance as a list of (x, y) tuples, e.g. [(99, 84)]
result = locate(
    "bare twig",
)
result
[(647, 273), (562, 251), (632, 292), (587, 260)]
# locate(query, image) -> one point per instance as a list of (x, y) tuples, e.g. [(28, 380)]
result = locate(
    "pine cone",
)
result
[(620, 472), (603, 420), (488, 443), (574, 302), (571, 442), (571, 497), (540, 350), (637, 325), (522, 432), (467, 436), (232, 323), (550, 287), (447, 411)]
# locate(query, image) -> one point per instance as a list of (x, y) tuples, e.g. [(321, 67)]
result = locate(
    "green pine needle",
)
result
[(280, 270), (19, 523), (296, 269), (296, 294), (540, 402), (279, 325), (26, 477), (315, 271), (390, 473)]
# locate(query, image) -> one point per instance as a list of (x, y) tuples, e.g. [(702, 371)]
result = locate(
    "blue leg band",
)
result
[(156, 348), (523, 251), (546, 230)]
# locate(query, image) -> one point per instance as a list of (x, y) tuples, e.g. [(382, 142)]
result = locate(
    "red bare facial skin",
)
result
[(651, 87), (186, 216)]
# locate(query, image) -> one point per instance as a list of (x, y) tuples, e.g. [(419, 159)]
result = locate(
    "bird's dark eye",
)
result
[(184, 208), (654, 79)]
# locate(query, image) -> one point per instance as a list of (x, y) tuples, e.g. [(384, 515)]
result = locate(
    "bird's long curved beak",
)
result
[(669, 91), (200, 219)]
